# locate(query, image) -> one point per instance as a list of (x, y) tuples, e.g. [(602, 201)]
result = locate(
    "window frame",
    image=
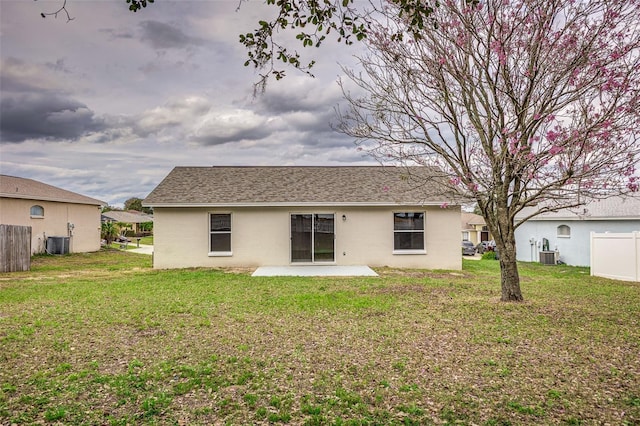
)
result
[(401, 251), (36, 216), (220, 253), (563, 235)]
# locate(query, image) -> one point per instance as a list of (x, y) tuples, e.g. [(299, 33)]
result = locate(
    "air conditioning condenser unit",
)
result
[(548, 257)]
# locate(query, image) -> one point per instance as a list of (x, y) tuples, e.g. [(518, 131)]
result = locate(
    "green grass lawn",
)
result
[(146, 240), (102, 338)]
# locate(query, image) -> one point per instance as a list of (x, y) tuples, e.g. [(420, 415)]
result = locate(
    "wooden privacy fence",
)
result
[(616, 255), (15, 248)]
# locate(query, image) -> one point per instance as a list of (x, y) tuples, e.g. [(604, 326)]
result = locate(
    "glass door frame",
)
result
[(314, 231)]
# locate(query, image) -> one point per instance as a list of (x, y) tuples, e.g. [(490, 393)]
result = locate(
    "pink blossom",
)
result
[(606, 134), (513, 146), (552, 136), (555, 150)]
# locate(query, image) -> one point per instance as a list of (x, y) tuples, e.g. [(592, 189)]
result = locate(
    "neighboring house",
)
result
[(261, 216), (132, 218), (50, 212), (567, 231), (474, 228)]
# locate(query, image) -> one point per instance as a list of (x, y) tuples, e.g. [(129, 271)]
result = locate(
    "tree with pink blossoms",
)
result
[(514, 103)]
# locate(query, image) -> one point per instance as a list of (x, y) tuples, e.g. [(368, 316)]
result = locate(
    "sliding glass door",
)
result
[(301, 238), (323, 238), (312, 238)]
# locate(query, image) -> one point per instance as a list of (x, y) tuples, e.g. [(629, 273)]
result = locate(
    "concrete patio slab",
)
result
[(143, 249), (314, 271)]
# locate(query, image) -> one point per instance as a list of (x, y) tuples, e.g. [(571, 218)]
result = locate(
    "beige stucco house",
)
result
[(474, 228), (260, 216), (132, 218), (50, 212)]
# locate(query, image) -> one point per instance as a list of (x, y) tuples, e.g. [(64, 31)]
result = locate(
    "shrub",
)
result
[(490, 255)]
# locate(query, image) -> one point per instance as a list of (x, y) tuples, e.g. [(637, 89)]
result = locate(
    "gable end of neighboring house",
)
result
[(567, 232), (474, 228), (51, 212), (259, 216)]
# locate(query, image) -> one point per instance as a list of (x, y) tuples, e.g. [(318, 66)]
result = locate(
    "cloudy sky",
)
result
[(107, 104)]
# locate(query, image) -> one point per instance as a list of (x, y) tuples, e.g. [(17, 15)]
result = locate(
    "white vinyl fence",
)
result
[(616, 256)]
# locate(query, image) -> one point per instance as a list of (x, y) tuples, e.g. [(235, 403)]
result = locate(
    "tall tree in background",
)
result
[(135, 203), (518, 103)]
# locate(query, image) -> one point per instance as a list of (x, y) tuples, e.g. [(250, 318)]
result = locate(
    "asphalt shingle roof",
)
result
[(357, 185), (128, 216), (470, 219), (609, 208), (17, 187)]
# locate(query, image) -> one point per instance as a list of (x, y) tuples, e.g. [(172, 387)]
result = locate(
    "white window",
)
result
[(408, 233), (220, 234), (564, 231), (465, 235), (37, 211)]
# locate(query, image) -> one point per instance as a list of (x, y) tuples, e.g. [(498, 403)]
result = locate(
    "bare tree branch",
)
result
[(62, 8)]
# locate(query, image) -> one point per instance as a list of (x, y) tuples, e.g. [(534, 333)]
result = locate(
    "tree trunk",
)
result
[(509, 276), (503, 230)]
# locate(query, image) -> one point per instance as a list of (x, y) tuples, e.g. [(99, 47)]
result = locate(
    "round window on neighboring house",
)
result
[(37, 211), (564, 231)]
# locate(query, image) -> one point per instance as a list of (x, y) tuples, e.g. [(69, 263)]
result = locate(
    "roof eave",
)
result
[(54, 199), (291, 204), (576, 218)]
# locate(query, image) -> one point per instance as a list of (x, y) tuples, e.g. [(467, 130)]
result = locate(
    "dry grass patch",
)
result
[(111, 341)]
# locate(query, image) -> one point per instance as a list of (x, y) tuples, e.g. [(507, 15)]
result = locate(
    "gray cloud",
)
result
[(114, 34), (161, 35), (17, 75), (301, 94), (36, 105), (58, 66), (44, 116), (220, 127)]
